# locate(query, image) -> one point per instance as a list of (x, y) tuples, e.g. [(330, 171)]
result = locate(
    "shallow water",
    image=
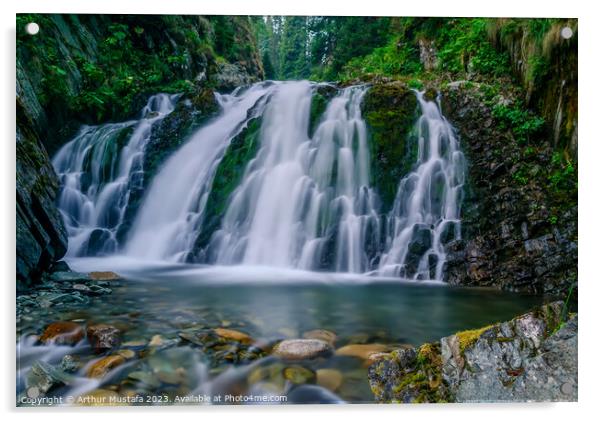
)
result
[(168, 299)]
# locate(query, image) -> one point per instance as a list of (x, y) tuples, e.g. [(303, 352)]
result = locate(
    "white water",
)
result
[(300, 192), (428, 199), (168, 221), (304, 202), (97, 174)]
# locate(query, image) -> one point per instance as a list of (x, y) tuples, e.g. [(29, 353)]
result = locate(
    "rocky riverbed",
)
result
[(96, 338)]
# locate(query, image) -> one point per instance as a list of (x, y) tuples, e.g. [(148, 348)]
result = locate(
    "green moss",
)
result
[(318, 105), (229, 173), (390, 111), (468, 338)]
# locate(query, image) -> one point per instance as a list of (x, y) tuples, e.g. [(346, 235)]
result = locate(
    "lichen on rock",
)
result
[(530, 358)]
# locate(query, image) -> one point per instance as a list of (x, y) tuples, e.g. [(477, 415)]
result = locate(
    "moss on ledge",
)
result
[(390, 110)]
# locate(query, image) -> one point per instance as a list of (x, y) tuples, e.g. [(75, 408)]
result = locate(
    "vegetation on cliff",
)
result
[(94, 68)]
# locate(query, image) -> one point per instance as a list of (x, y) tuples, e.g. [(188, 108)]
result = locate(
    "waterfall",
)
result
[(168, 220), (97, 170), (426, 211), (302, 198)]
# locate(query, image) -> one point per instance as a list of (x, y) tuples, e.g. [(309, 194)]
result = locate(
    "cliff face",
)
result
[(545, 61), (87, 69), (519, 225), (41, 236)]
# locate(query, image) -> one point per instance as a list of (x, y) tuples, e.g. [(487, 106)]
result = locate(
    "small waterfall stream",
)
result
[(305, 201), (299, 193), (97, 170), (426, 211), (168, 221)]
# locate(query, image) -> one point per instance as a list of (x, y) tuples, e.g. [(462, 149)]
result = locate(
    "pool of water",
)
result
[(268, 306)]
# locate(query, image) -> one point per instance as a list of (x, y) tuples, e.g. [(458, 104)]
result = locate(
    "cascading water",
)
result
[(299, 194), (304, 201), (426, 211), (97, 170), (168, 221)]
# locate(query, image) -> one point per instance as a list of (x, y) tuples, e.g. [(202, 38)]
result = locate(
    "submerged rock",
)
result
[(321, 334), (300, 349), (62, 333), (299, 375), (329, 378), (363, 351), (233, 335), (102, 367), (530, 358), (42, 377), (104, 276), (103, 337)]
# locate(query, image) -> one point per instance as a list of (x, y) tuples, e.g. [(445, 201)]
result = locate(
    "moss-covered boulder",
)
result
[(191, 112), (321, 96), (230, 170), (531, 357), (390, 110)]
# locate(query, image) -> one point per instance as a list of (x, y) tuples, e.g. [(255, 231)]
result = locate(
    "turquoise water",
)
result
[(175, 299)]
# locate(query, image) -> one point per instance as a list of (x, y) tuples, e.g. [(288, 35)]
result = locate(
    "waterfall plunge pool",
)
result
[(156, 304)]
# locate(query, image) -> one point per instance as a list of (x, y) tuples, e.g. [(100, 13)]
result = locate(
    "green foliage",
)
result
[(228, 175), (524, 124), (464, 47), (563, 176), (390, 111), (396, 58), (520, 176)]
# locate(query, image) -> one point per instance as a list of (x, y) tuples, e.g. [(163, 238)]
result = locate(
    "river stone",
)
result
[(363, 351), (43, 377), (104, 276), (69, 277), (70, 363), (128, 354), (62, 333), (146, 378), (329, 378), (101, 367), (300, 349), (322, 334), (299, 375), (103, 337), (233, 335)]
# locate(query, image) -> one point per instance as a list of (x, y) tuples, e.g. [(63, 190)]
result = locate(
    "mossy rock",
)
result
[(390, 110), (190, 113), (319, 102), (228, 176)]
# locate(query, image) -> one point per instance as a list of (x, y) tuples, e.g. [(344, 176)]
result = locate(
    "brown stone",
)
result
[(101, 367), (104, 276), (103, 337), (329, 378), (233, 335), (299, 349), (322, 334), (62, 333), (363, 351)]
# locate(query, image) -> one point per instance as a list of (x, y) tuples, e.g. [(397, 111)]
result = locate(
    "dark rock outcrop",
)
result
[(390, 110), (519, 232), (530, 358), (41, 235)]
